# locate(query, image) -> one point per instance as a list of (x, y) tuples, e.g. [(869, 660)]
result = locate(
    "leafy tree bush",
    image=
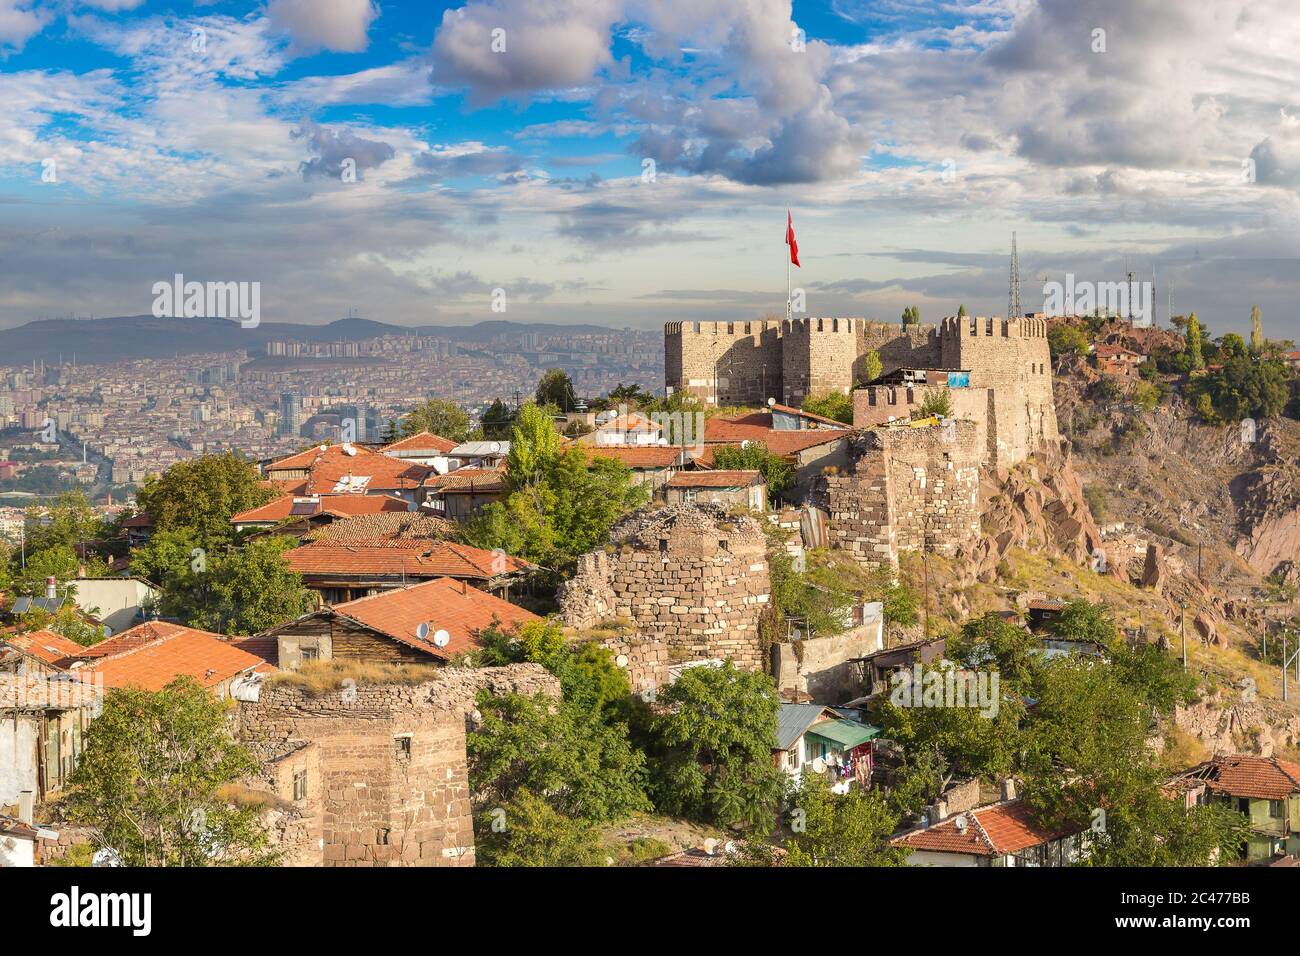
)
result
[(936, 401), (527, 831), (203, 493), (712, 752), (440, 417), (778, 473), (1067, 339), (151, 776), (849, 830), (834, 405)]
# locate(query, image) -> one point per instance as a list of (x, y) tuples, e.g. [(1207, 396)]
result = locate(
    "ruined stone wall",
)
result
[(908, 488), (820, 665), (817, 358), (690, 580), (394, 780), (743, 358)]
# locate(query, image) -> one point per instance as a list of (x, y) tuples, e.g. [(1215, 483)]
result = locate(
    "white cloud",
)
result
[(19, 23), (340, 25)]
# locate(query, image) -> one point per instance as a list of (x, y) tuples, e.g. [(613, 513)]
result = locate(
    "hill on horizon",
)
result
[(117, 338)]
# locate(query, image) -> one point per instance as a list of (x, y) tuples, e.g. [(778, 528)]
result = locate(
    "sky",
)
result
[(631, 162)]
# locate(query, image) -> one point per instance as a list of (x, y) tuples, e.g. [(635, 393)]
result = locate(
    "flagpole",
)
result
[(789, 294)]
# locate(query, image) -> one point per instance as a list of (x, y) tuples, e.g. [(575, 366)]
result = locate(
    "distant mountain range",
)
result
[(143, 336)]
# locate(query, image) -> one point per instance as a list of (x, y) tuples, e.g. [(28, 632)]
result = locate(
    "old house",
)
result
[(427, 623), (730, 489), (346, 570), (876, 670), (824, 740), (808, 450), (118, 602), (629, 428), (41, 651), (308, 512), (1265, 789), (651, 465), (45, 714), (998, 834), (151, 655), (463, 493), (348, 470)]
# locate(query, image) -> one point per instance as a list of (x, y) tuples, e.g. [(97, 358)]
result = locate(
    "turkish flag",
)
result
[(789, 239)]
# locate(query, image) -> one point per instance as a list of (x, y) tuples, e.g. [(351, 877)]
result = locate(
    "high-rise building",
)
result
[(290, 413)]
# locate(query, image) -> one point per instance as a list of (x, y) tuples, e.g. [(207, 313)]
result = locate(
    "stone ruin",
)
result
[(373, 775), (686, 583)]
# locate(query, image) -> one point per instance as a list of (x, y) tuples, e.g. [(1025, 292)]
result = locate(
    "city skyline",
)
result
[(627, 164)]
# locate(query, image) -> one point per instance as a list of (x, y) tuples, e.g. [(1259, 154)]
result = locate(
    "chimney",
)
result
[(51, 587), (1008, 788), (938, 811)]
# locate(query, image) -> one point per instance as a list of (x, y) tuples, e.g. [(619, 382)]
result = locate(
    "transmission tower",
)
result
[(1013, 292)]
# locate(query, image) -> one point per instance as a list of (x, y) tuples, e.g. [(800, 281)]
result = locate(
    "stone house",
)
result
[(45, 717)]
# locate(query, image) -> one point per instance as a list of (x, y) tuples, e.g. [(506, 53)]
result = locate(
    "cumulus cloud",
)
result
[(502, 48), (340, 25)]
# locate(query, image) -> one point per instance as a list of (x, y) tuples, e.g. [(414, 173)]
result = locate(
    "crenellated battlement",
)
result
[(824, 326), (732, 329), (954, 326)]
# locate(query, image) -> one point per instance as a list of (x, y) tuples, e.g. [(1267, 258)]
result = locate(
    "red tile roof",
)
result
[(1245, 775), (45, 646), (417, 557), (281, 508), (151, 655), (367, 474), (714, 479), (995, 830), (757, 426), (443, 604), (420, 441), (638, 456), (385, 526)]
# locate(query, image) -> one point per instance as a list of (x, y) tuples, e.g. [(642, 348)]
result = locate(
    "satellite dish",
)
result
[(729, 847), (771, 402), (441, 639), (422, 631), (745, 443), (711, 846), (108, 631), (348, 449), (819, 765), (621, 660)]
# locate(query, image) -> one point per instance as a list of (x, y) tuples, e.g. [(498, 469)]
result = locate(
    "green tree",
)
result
[(585, 768), (1193, 338), (66, 621), (496, 421), (990, 640), (203, 493), (438, 416), (527, 831), (1063, 339), (712, 751), (830, 830), (59, 562), (961, 312), (70, 522), (872, 367), (1256, 331), (936, 401), (1081, 620), (556, 388), (151, 776), (912, 315), (834, 405), (534, 446), (777, 472), (247, 590)]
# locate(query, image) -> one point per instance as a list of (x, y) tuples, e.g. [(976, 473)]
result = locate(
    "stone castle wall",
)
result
[(909, 489), (817, 357), (393, 775), (688, 581), (741, 361)]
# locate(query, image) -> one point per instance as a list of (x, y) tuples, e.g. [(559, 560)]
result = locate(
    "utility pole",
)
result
[(1182, 626)]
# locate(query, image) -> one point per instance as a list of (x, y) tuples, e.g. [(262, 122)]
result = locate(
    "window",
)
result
[(403, 746), (1275, 809), (724, 544), (300, 785), (663, 545), (381, 837), (309, 654)]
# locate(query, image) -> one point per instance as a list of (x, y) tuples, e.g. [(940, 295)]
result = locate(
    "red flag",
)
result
[(789, 239)]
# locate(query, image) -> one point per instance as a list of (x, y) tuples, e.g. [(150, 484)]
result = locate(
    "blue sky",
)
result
[(629, 162)]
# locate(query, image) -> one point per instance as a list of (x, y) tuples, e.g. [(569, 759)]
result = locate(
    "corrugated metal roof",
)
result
[(845, 733), (792, 720)]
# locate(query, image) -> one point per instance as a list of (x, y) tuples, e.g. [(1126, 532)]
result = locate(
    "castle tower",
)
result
[(817, 357), (724, 363)]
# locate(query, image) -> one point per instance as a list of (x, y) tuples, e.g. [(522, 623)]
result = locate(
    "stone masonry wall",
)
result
[(817, 358), (691, 580), (908, 487), (394, 778), (743, 360)]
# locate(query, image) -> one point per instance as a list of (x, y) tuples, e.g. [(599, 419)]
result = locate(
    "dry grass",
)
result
[(322, 677), (245, 797)]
